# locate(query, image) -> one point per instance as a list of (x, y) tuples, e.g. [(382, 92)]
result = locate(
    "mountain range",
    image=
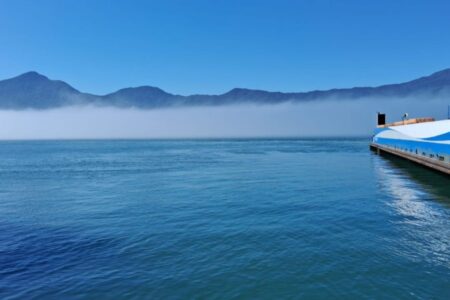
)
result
[(32, 90)]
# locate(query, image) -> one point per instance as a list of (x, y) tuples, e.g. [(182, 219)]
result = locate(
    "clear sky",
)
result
[(212, 46)]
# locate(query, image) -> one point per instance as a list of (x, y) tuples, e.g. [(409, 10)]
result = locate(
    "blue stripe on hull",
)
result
[(442, 137), (412, 146)]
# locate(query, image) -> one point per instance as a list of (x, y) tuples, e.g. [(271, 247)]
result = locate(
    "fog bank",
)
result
[(313, 119)]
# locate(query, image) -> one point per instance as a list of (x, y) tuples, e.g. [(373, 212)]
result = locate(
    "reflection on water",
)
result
[(420, 201), (432, 182)]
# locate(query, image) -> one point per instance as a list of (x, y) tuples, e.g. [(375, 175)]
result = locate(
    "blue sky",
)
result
[(212, 46)]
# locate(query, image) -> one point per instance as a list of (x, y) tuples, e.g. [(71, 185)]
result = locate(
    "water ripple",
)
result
[(219, 219)]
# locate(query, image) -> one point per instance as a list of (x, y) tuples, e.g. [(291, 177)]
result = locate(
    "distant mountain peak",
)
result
[(32, 75), (444, 73), (144, 88), (243, 91), (34, 90), (140, 91)]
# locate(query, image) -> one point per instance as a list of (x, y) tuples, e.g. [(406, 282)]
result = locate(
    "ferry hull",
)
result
[(426, 143)]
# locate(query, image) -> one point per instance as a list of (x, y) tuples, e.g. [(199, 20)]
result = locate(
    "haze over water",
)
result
[(219, 219)]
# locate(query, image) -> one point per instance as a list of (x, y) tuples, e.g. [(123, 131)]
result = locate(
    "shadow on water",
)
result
[(434, 182)]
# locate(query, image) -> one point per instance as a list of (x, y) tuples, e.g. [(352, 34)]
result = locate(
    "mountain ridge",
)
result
[(32, 90)]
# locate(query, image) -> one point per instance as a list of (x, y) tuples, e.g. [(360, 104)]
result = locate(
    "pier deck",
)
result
[(424, 161)]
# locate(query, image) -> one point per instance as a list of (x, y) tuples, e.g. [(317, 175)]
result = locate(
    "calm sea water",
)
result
[(219, 219)]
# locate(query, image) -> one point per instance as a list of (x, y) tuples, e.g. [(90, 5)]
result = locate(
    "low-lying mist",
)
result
[(328, 118)]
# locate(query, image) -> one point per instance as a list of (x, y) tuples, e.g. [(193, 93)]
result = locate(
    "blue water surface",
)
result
[(220, 219)]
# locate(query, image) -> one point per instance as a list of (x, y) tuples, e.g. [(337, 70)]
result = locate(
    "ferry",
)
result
[(421, 140)]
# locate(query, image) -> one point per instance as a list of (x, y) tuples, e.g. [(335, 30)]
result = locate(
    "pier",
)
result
[(425, 161)]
